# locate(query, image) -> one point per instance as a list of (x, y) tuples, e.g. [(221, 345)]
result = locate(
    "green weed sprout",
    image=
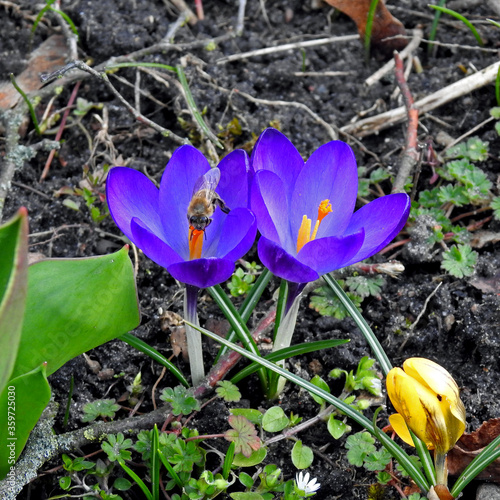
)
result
[(458, 16)]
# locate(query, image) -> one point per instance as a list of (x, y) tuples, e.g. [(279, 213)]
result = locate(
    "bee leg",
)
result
[(222, 205)]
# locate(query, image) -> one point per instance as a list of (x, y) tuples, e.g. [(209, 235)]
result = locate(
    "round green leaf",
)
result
[(246, 480), (65, 483), (302, 456), (337, 428), (122, 484), (255, 458), (274, 420)]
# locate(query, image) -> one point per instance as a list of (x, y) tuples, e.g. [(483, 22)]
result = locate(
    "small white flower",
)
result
[(304, 484)]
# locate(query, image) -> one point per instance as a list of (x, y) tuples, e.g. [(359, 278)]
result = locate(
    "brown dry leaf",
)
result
[(48, 57), (487, 285), (179, 343), (482, 238), (470, 445), (384, 24)]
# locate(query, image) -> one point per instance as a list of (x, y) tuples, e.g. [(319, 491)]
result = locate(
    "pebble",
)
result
[(488, 492)]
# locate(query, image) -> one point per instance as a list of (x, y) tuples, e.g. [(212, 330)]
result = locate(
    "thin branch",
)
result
[(389, 66), (137, 115), (375, 124), (288, 46), (411, 155)]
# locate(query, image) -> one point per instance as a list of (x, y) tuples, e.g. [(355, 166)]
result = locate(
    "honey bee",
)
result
[(204, 201)]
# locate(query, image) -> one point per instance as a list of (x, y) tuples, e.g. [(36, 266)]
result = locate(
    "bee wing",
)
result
[(207, 183)]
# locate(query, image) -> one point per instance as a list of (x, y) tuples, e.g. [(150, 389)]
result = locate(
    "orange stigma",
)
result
[(304, 236), (195, 243)]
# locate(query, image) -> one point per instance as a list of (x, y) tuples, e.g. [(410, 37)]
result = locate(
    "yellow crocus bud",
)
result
[(427, 401)]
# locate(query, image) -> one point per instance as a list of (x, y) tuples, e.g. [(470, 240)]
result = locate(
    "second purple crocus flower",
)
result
[(305, 211)]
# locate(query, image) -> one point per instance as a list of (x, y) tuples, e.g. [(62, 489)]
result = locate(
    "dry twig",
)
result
[(288, 46), (389, 65), (411, 155), (375, 124)]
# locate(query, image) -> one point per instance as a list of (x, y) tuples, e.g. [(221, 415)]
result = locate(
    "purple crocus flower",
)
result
[(156, 219), (305, 210)]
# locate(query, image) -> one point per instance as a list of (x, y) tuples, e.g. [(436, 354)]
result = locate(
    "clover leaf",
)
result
[(181, 399), (228, 391), (117, 447), (100, 408)]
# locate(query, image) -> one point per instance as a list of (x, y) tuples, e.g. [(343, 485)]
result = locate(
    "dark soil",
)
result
[(459, 328)]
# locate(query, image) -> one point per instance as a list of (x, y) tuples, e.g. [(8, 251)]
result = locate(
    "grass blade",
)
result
[(238, 325), (155, 464), (140, 345), (458, 16), (367, 332), (248, 305), (485, 458), (289, 352), (194, 109)]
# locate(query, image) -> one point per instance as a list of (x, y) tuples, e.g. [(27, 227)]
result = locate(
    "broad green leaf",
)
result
[(274, 420), (255, 458), (13, 289), (302, 456), (74, 305), (30, 394)]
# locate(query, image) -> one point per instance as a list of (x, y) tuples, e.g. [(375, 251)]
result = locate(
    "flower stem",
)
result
[(193, 336), (441, 469), (284, 333)]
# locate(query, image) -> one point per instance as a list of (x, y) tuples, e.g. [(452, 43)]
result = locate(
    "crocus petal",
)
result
[(176, 190), (283, 264), (232, 187), (405, 399), (327, 254), (432, 375), (202, 273), (382, 219), (237, 234), (399, 426), (130, 194), (440, 382), (274, 152), (270, 206), (329, 174), (152, 246)]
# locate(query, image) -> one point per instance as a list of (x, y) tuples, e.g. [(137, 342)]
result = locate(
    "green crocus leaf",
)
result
[(22, 403), (13, 289), (74, 305)]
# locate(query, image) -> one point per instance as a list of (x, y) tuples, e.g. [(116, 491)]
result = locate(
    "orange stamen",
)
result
[(195, 243), (304, 233), (325, 207)]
